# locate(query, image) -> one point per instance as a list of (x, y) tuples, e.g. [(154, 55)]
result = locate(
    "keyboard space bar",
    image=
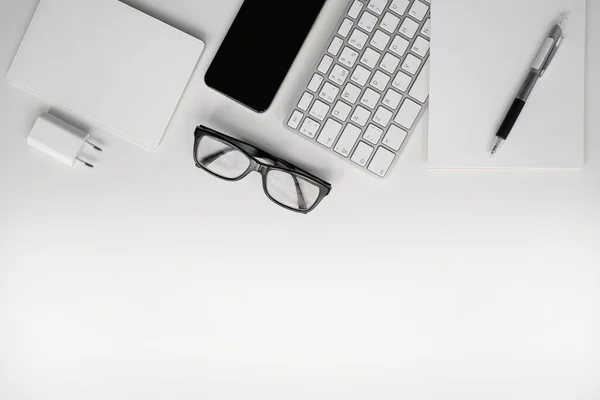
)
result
[(420, 90)]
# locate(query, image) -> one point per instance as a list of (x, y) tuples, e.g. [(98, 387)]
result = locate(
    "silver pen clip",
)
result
[(557, 34)]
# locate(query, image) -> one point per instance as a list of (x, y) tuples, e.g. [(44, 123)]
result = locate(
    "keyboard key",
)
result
[(411, 64), (361, 75), (390, 63), (382, 116), (409, 28), (401, 81), (325, 64), (418, 10), (295, 119), (319, 110), (339, 75), (362, 153), (351, 93), (399, 45), (409, 110), (390, 22), (399, 6), (341, 111), (420, 46), (381, 162), (373, 134), (379, 40), (380, 81), (348, 57), (377, 6), (347, 140), (427, 28), (368, 21), (420, 90), (328, 92), (335, 46), (315, 83), (370, 99), (370, 58), (305, 101), (355, 9), (394, 137), (358, 39), (309, 128), (392, 99), (329, 133), (345, 27), (361, 116)]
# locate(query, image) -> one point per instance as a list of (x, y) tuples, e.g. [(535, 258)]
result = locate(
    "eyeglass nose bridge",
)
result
[(260, 168)]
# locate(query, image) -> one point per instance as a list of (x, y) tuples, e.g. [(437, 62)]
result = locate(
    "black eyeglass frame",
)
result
[(253, 154)]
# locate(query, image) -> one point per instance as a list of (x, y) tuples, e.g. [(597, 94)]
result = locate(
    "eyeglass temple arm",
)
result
[(215, 156), (301, 201), (255, 153)]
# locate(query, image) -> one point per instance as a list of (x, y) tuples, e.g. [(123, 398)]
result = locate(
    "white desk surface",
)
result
[(148, 279)]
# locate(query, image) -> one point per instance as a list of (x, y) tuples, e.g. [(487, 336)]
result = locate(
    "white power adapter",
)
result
[(60, 140)]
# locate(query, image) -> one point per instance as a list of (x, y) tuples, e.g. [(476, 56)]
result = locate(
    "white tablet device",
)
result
[(108, 62)]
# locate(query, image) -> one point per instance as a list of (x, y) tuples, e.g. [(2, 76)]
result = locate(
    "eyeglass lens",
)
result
[(221, 159), (291, 190)]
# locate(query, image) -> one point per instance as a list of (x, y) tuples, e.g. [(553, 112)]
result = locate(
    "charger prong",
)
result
[(87, 164), (98, 149)]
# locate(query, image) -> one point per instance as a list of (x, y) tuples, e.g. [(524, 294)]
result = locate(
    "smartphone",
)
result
[(259, 49)]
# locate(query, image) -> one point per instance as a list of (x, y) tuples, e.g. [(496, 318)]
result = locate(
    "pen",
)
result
[(540, 65)]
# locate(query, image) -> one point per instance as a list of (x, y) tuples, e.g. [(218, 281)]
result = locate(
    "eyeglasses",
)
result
[(231, 159)]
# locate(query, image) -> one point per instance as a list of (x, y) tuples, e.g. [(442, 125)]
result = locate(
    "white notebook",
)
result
[(108, 62), (481, 52)]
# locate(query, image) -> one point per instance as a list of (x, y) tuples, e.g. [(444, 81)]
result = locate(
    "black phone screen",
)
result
[(259, 49)]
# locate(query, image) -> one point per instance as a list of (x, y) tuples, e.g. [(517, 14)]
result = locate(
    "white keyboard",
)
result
[(371, 86)]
